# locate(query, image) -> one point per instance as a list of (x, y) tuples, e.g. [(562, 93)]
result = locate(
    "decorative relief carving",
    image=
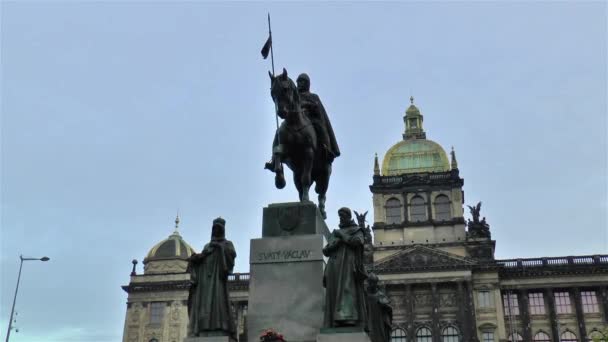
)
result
[(447, 299), (174, 334), (133, 335), (422, 257), (175, 309), (423, 299), (136, 312)]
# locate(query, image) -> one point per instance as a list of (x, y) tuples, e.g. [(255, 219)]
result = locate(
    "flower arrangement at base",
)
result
[(271, 335)]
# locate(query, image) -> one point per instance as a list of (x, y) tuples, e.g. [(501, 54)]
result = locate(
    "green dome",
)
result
[(173, 247), (414, 156)]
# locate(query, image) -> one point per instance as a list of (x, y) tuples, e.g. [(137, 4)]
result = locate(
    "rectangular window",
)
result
[(485, 299), (487, 337), (537, 303), (589, 299), (510, 304), (156, 312), (562, 303)]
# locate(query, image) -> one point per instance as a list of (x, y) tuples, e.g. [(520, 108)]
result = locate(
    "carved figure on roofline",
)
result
[(209, 310), (345, 299), (368, 248), (477, 228), (475, 212), (305, 140)]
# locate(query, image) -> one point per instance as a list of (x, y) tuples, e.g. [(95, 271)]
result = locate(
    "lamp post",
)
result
[(10, 321)]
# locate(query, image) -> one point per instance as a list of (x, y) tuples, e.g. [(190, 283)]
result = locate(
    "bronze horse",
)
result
[(296, 144)]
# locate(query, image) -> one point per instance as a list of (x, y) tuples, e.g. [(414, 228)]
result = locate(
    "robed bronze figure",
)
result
[(345, 303), (379, 311), (305, 141), (208, 303)]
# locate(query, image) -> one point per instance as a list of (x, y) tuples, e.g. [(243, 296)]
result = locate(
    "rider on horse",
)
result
[(311, 106)]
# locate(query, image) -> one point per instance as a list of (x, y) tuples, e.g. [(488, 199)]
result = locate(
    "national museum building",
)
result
[(438, 269)]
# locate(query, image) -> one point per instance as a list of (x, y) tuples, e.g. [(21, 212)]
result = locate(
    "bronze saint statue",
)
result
[(380, 312), (305, 141), (208, 303), (344, 275)]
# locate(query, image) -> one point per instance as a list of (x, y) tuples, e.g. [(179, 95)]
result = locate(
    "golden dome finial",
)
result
[(411, 99)]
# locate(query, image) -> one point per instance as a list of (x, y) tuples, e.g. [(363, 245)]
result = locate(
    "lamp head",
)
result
[(45, 259)]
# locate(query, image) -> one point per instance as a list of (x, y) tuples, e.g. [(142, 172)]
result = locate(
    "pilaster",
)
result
[(462, 311), (435, 314), (524, 314), (409, 313), (552, 314), (604, 298), (472, 325), (580, 315)]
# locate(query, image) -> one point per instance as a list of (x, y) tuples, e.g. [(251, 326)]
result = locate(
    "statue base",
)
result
[(346, 334), (222, 338), (286, 290)]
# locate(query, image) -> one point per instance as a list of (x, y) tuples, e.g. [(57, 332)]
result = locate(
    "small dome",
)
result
[(173, 247), (414, 156)]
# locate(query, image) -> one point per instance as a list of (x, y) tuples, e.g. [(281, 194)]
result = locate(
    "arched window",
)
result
[(424, 335), (596, 336), (417, 209), (398, 335), (568, 336), (443, 211), (393, 211), (450, 334), (541, 337), (515, 337)]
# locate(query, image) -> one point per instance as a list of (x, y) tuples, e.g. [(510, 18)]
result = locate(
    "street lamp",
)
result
[(10, 321)]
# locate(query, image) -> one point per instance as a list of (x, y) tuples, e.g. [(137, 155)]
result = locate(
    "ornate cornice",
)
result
[(427, 179), (157, 286), (430, 222)]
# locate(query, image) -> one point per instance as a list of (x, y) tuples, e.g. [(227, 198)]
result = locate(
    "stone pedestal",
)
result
[(286, 273), (343, 336), (209, 339)]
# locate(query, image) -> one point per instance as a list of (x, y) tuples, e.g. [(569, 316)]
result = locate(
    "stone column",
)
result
[(580, 315), (552, 314), (435, 313), (604, 298), (409, 313), (429, 205), (405, 208), (462, 312), (524, 313), (472, 324)]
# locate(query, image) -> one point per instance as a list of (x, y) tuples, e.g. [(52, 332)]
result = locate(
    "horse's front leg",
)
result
[(305, 177)]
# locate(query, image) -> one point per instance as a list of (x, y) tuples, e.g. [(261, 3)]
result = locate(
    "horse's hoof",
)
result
[(269, 166), (279, 181)]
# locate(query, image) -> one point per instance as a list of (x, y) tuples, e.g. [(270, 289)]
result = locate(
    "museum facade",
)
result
[(437, 268)]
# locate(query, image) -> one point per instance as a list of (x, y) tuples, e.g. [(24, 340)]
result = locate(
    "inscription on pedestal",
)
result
[(285, 249)]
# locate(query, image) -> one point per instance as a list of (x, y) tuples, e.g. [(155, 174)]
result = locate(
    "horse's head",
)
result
[(284, 94)]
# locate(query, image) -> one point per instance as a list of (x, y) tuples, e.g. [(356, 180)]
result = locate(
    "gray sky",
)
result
[(115, 115)]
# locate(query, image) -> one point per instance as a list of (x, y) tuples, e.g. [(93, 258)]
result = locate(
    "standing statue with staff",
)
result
[(305, 140)]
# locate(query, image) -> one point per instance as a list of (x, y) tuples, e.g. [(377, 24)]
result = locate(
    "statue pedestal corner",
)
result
[(343, 335), (209, 339)]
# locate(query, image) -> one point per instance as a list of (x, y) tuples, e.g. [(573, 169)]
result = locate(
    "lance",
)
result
[(276, 109)]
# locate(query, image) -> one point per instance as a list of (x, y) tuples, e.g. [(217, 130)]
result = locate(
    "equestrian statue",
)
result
[(305, 140)]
